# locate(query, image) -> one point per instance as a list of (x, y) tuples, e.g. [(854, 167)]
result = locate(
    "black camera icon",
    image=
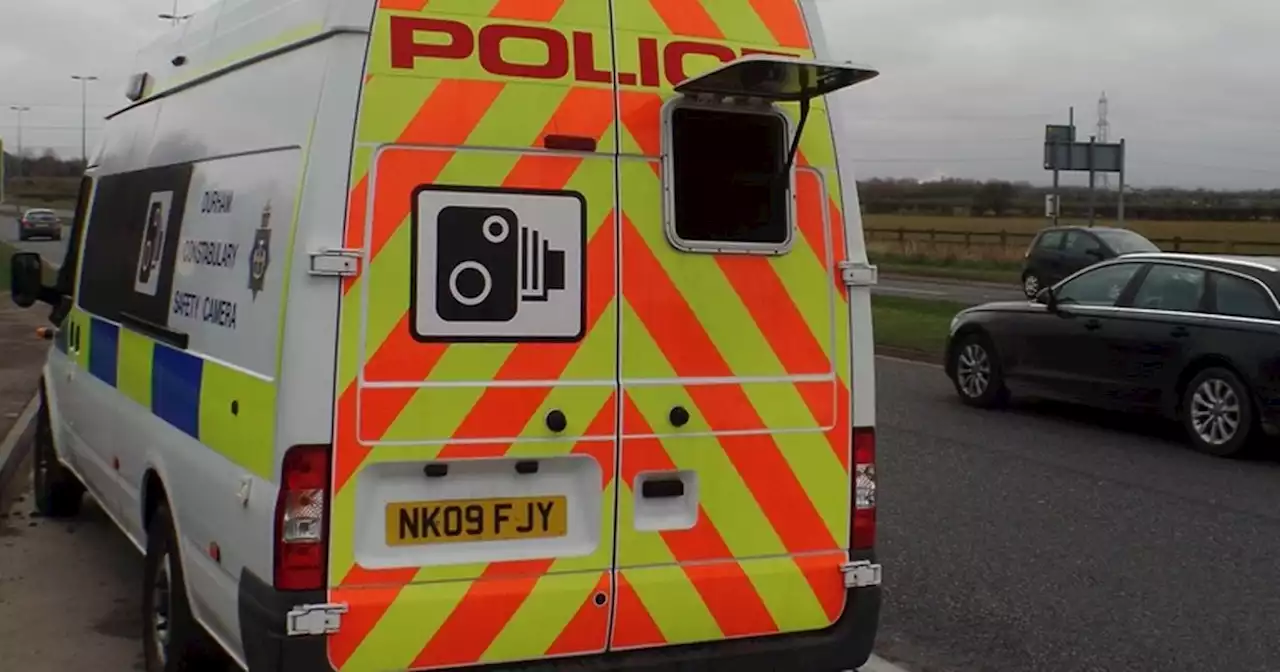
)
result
[(487, 264), (151, 243)]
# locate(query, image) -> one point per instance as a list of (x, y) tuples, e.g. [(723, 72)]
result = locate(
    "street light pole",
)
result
[(19, 109), (84, 114)]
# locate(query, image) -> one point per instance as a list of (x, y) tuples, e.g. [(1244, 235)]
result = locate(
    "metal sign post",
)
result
[(1062, 152)]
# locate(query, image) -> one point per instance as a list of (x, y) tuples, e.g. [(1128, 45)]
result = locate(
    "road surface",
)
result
[(51, 250), (1038, 538), (1045, 537)]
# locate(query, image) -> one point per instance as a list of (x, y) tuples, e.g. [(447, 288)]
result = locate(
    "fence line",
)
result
[(1004, 238)]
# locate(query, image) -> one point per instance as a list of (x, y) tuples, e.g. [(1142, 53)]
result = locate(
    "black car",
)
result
[(1194, 338), (1059, 251)]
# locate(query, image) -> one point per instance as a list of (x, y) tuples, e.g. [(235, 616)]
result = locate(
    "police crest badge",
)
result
[(260, 253)]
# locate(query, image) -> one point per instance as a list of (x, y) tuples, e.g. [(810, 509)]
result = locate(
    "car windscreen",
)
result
[(1126, 242)]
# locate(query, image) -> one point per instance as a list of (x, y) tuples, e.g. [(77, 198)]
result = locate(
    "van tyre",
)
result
[(977, 374), (58, 493), (172, 640), (1217, 412)]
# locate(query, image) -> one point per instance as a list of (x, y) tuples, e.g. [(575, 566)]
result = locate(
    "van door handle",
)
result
[(1180, 332), (662, 488), (1093, 325)]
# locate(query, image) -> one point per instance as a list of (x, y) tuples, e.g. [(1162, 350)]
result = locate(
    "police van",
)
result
[(408, 334)]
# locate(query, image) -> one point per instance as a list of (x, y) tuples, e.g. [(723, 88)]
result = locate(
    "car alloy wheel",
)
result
[(973, 370), (1031, 285), (1215, 412)]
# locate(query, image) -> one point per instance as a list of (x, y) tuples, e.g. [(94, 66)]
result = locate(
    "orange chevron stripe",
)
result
[(784, 21), (484, 611), (641, 113), (405, 5), (505, 411), (365, 607), (527, 10), (585, 113), (784, 328), (588, 628), (724, 587), (633, 627), (690, 351), (688, 18), (603, 451), (447, 117), (824, 575)]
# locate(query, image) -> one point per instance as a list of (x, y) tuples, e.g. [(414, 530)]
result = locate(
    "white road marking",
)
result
[(900, 360), (878, 664), (926, 292)]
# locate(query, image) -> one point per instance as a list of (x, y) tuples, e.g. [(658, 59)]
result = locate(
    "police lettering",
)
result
[(413, 38), (210, 253), (216, 202)]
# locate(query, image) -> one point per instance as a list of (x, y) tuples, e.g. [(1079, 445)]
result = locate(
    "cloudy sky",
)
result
[(966, 89)]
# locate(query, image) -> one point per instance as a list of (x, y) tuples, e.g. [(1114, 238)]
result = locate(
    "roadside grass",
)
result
[(916, 325), (922, 263)]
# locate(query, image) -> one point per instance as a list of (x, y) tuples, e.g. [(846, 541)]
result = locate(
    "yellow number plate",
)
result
[(411, 523)]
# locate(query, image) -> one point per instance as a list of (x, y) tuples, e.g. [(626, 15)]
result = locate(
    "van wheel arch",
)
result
[(153, 495)]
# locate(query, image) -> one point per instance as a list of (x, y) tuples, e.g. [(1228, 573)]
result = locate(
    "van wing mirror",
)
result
[(778, 79), (26, 278)]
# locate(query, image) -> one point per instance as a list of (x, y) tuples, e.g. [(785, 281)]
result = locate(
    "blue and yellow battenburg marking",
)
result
[(230, 411)]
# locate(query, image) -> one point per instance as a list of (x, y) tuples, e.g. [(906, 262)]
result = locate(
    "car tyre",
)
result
[(1031, 284), (1217, 413), (976, 372), (58, 493), (172, 640)]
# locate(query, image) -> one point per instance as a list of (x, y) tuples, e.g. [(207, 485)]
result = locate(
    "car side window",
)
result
[(1169, 287), (1080, 243), (1050, 241), (1098, 287), (1239, 297)]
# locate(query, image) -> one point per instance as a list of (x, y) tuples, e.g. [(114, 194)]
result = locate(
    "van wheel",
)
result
[(1217, 413), (172, 640), (977, 375), (58, 493)]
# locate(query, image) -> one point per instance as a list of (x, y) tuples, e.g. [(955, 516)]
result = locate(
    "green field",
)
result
[(1267, 232), (918, 325)]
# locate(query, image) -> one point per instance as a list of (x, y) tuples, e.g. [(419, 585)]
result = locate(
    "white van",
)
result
[(420, 335)]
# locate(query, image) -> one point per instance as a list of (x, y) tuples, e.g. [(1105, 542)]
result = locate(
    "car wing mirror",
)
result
[(1046, 297)]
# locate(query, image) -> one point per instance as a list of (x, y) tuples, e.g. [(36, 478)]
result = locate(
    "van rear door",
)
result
[(472, 518)]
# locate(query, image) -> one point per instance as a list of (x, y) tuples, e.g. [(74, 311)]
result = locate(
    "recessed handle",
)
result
[(556, 421), (662, 488), (679, 417)]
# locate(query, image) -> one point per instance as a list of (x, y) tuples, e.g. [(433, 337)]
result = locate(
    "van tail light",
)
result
[(301, 528), (864, 491)]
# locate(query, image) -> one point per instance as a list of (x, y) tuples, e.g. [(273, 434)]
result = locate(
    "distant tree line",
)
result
[(998, 198)]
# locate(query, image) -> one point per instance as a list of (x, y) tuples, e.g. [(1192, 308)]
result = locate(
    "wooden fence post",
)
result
[(1004, 239)]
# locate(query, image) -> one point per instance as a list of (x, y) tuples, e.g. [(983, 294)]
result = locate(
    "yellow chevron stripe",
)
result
[(457, 8), (739, 22), (786, 594), (602, 558), (724, 495), (680, 614), (543, 615), (420, 608), (388, 105)]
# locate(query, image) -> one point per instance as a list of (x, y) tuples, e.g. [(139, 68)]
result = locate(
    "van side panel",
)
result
[(200, 420), (755, 347), (458, 102)]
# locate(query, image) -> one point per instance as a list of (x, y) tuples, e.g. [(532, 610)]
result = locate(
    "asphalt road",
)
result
[(1045, 537), (51, 250)]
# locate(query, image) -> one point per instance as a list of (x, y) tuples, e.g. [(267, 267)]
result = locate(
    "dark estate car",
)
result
[(1059, 251), (1195, 338), (39, 222)]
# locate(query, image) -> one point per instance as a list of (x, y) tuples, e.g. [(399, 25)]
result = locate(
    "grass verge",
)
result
[(982, 270), (913, 325)]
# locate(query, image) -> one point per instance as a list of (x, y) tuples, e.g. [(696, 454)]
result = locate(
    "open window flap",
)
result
[(777, 78)]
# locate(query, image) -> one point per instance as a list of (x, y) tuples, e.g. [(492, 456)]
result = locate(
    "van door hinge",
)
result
[(314, 619), (858, 274), (860, 574), (338, 262)]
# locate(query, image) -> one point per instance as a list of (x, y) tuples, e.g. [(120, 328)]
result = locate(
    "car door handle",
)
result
[(1180, 332), (1093, 325)]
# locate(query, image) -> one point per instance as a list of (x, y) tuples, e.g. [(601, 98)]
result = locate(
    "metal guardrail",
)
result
[(1004, 238)]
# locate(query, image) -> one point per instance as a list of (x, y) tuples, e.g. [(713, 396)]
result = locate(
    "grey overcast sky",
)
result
[(966, 86)]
